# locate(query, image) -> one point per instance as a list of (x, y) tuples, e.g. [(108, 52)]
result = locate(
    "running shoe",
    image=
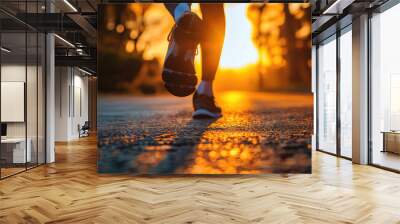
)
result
[(205, 107), (179, 73)]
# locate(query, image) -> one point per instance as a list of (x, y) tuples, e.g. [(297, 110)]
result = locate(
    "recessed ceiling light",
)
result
[(84, 71), (5, 50), (70, 6), (337, 7), (64, 40)]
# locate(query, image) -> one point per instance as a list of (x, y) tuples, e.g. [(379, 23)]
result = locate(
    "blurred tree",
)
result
[(282, 33), (125, 26), (126, 32), (255, 12)]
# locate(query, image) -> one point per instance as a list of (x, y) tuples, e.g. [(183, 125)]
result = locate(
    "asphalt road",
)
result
[(259, 133)]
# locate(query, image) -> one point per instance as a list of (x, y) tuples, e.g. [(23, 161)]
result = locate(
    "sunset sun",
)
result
[(238, 50)]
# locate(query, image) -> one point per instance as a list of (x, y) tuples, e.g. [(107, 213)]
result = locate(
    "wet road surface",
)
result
[(259, 133)]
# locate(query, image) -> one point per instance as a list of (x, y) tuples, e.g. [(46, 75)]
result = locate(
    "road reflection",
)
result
[(254, 136)]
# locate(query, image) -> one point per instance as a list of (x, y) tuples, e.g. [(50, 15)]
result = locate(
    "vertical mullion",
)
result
[(60, 88), (317, 96), (369, 77), (45, 86), (69, 93), (37, 90), (73, 92), (338, 81), (26, 86), (0, 93)]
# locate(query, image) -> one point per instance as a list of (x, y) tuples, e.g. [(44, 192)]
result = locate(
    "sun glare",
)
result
[(238, 50)]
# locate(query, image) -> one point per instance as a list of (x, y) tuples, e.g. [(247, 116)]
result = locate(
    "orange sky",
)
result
[(238, 31), (239, 49)]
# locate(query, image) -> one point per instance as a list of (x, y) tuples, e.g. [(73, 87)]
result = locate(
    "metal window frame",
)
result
[(337, 35), (387, 5)]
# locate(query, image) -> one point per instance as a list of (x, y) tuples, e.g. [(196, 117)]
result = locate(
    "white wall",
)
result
[(71, 94), (13, 73), (80, 112), (62, 81), (13, 101), (33, 126)]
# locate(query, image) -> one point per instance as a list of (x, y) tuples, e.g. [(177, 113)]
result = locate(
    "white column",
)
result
[(50, 92), (63, 81), (50, 100), (360, 90)]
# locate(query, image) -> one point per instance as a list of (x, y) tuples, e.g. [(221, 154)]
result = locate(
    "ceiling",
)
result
[(76, 22)]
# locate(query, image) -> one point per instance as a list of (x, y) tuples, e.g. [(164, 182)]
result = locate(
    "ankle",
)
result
[(205, 88)]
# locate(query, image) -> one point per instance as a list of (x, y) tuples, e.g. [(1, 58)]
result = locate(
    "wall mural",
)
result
[(204, 88)]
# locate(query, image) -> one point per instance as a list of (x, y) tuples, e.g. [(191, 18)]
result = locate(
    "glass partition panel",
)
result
[(346, 94), (385, 89), (327, 96), (41, 99), (14, 153), (32, 87), (32, 98), (22, 88)]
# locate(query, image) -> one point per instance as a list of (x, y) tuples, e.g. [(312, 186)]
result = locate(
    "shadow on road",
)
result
[(183, 147)]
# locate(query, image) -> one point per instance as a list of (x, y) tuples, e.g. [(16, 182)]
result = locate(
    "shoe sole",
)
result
[(205, 114), (179, 90), (180, 83), (177, 77)]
